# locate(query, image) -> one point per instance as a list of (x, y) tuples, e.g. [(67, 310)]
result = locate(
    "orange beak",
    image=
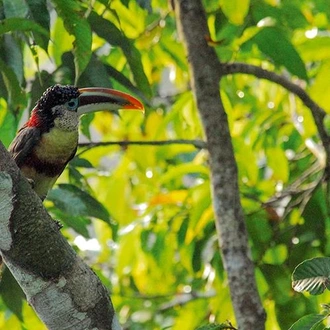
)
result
[(93, 99)]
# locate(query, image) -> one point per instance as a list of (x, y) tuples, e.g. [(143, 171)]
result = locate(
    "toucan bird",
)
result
[(49, 139)]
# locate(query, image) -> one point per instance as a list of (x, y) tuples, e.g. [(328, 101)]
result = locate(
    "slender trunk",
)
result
[(230, 224)]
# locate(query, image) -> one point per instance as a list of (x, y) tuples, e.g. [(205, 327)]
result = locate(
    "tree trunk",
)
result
[(62, 289), (232, 234)]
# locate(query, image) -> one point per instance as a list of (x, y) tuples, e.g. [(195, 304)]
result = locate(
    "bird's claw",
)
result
[(31, 182), (58, 224)]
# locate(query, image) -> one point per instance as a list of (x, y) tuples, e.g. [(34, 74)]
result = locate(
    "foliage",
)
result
[(312, 275), (142, 216)]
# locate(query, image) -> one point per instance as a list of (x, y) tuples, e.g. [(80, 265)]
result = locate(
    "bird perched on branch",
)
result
[(48, 141)]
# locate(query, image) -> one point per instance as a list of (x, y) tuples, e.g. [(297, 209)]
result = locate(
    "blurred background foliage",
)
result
[(141, 215)]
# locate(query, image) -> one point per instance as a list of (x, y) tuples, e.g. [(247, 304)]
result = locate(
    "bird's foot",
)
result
[(58, 224), (31, 182)]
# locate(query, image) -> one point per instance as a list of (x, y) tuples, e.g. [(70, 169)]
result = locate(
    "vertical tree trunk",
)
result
[(232, 233)]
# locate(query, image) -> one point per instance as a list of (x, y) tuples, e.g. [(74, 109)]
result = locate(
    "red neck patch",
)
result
[(35, 120)]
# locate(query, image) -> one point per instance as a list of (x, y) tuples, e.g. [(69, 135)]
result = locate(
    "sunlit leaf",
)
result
[(183, 169), (276, 255), (77, 25), (235, 10), (320, 87), (173, 197), (62, 41), (278, 162), (315, 49)]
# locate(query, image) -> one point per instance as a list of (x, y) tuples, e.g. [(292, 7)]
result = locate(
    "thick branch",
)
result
[(317, 112), (65, 292), (232, 234)]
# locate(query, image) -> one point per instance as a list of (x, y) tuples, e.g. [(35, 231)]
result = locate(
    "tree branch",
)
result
[(63, 290), (232, 235), (198, 144), (317, 112), (185, 298)]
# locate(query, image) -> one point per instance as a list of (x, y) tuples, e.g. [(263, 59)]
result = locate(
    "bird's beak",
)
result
[(93, 99)]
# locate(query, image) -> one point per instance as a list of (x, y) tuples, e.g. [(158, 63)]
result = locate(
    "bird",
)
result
[(49, 139)]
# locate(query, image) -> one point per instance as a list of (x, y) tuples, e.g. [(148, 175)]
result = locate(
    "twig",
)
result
[(199, 144), (317, 112), (185, 298)]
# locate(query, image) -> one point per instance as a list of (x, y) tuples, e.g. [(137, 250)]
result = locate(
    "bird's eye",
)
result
[(72, 104)]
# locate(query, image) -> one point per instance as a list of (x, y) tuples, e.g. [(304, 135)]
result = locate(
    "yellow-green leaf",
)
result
[(235, 10)]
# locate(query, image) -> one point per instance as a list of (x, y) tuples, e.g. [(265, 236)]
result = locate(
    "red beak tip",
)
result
[(134, 106)]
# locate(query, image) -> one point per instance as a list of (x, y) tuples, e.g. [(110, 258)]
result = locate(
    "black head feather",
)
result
[(56, 95)]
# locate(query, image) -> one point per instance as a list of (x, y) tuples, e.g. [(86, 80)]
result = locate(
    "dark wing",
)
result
[(22, 145)]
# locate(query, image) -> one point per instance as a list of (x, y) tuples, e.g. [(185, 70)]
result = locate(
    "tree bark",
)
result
[(232, 234), (62, 289)]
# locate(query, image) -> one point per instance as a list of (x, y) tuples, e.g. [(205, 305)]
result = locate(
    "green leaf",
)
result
[(39, 12), (79, 224), (181, 170), (175, 51), (134, 60), (197, 256), (108, 31), (77, 25), (308, 322), (124, 81), (22, 25), (182, 232), (320, 88), (80, 162), (235, 10), (13, 56), (7, 128), (276, 255), (273, 43), (12, 294), (16, 96), (277, 161), (95, 74), (15, 8), (312, 275), (85, 122), (259, 229), (76, 202), (316, 49)]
